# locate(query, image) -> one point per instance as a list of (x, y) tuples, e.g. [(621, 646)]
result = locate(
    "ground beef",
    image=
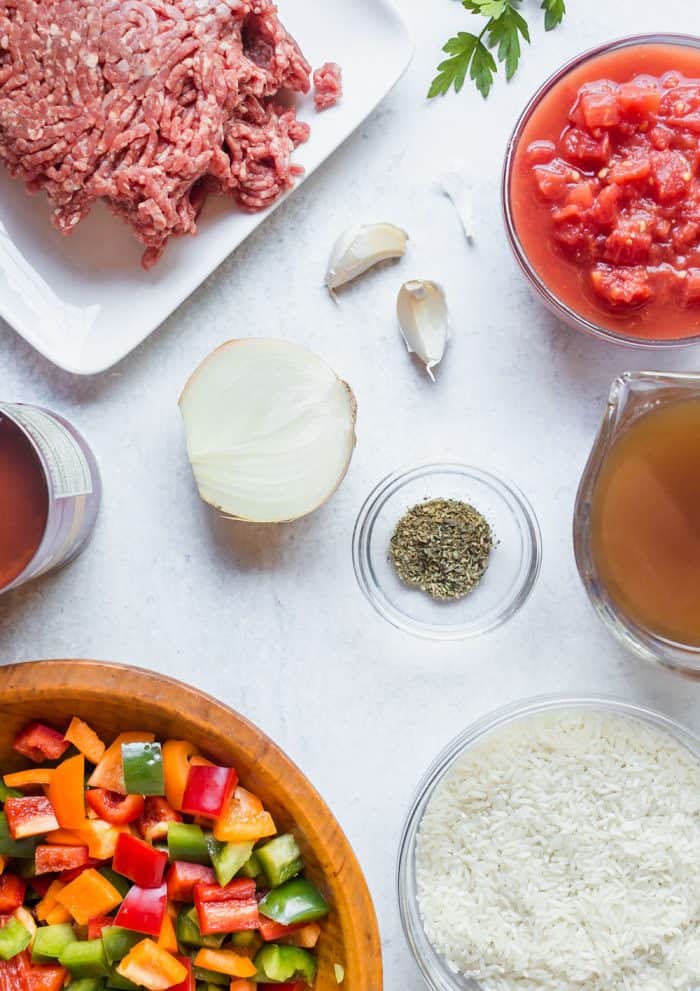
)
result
[(328, 85), (149, 104)]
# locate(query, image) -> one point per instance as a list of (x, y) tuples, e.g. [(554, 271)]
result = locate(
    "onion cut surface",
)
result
[(270, 429)]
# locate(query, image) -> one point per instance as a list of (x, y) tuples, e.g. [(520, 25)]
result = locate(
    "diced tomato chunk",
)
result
[(671, 175), (39, 742), (553, 179), (628, 243), (635, 98), (621, 286), (12, 890), (605, 208), (691, 288), (584, 149), (597, 105), (636, 168)]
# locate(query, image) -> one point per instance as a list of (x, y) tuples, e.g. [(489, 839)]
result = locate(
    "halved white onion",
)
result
[(270, 429)]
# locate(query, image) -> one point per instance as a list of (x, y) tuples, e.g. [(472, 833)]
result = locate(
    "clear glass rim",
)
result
[(371, 587), (433, 968), (554, 304)]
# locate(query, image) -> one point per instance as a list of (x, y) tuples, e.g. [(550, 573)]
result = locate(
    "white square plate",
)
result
[(84, 301)]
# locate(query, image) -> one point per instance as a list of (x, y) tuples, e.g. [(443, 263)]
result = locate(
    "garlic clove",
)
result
[(458, 191), (360, 247), (422, 311)]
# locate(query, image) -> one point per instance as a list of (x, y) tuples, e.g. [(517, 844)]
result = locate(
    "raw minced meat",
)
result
[(151, 105), (328, 85)]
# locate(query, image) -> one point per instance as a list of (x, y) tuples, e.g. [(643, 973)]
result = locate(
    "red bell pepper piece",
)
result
[(271, 930), (143, 909), (12, 890), (189, 983), (46, 977), (227, 910), (96, 925), (183, 876), (39, 743), (114, 808), (153, 822), (14, 973), (138, 861), (71, 875), (49, 858), (40, 884), (208, 789), (30, 816)]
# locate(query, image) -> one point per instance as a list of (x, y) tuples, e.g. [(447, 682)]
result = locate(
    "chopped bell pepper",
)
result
[(6, 792), (88, 895), (109, 773), (85, 958), (280, 859), (249, 940), (114, 808), (39, 743), (51, 941), (230, 909), (182, 877), (152, 824), (210, 979), (285, 963), (143, 910), (85, 739), (47, 977), (306, 936), (58, 915), (101, 837), (152, 967), (118, 941), (188, 842), (52, 859), (272, 931), (48, 902), (67, 792), (167, 937), (85, 984), (225, 962), (137, 860), (143, 769), (188, 984), (12, 891), (116, 880), (27, 779), (189, 933), (252, 867), (244, 819), (228, 858), (238, 984), (14, 937), (208, 789), (63, 837), (14, 973), (97, 924), (177, 755), (29, 816), (294, 901)]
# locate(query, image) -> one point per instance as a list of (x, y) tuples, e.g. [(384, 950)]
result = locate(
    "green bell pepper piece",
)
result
[(86, 984), (143, 768), (294, 901), (206, 986), (85, 958), (121, 983), (14, 937), (188, 932), (252, 867), (6, 792), (280, 859), (280, 964), (15, 848), (228, 858), (210, 976), (117, 881), (188, 842), (246, 939), (51, 941), (117, 942)]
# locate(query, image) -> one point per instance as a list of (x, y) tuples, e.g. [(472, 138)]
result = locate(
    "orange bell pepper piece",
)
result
[(177, 756), (47, 977), (244, 820), (34, 776), (88, 895), (3, 864), (64, 837), (151, 966), (67, 792), (85, 739), (238, 985), (58, 915), (167, 940), (100, 837), (109, 773), (48, 902), (225, 962), (307, 937)]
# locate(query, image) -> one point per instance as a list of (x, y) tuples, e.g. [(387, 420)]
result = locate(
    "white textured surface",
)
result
[(271, 620)]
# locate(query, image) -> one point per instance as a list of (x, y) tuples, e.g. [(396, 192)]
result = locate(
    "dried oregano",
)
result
[(442, 547)]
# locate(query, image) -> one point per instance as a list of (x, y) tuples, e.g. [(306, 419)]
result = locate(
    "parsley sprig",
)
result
[(502, 32)]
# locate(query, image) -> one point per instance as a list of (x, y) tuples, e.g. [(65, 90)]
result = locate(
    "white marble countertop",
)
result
[(270, 619)]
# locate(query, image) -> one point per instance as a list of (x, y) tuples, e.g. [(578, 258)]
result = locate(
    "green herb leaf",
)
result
[(482, 69), (554, 11), (453, 71), (487, 8), (505, 33)]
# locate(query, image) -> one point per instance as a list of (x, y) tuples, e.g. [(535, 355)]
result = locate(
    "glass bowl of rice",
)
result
[(553, 845)]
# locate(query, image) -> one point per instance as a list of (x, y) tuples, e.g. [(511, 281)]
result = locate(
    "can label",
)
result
[(65, 462)]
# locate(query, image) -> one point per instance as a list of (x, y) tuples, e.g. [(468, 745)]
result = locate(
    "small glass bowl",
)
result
[(513, 566), (559, 308), (435, 970)]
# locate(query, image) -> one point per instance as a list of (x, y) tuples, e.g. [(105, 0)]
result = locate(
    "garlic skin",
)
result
[(421, 308), (458, 191), (359, 248)]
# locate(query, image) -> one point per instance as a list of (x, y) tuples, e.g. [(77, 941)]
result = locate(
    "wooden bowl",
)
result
[(114, 698)]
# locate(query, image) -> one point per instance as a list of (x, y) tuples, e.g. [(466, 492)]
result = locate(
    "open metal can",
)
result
[(62, 458)]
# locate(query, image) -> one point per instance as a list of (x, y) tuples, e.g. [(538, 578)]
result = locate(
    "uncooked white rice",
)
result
[(562, 853)]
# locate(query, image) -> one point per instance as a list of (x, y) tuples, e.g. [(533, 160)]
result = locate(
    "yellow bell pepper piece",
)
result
[(151, 966), (85, 739), (90, 894), (225, 962)]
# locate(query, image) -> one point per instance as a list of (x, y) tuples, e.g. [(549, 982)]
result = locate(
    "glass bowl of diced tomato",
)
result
[(601, 191), (152, 838)]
